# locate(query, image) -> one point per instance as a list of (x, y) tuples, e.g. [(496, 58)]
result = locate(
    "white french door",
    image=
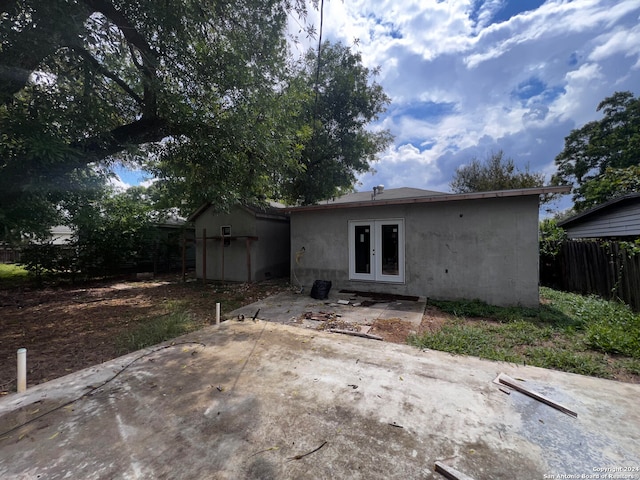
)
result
[(376, 250)]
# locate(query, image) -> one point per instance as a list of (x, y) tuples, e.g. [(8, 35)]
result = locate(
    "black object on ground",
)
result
[(320, 289)]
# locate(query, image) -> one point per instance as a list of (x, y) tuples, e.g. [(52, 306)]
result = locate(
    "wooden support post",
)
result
[(184, 257), (248, 241), (222, 261), (204, 256)]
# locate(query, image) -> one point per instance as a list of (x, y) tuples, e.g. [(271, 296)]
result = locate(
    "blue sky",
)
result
[(471, 77), (468, 77)]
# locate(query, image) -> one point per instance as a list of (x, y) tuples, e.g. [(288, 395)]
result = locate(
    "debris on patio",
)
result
[(450, 472), (503, 379), (334, 323), (356, 334)]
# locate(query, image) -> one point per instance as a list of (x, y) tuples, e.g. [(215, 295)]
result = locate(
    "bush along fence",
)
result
[(609, 269)]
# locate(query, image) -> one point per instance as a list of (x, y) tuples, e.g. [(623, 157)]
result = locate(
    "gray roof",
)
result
[(599, 209), (387, 194), (403, 196), (269, 210)]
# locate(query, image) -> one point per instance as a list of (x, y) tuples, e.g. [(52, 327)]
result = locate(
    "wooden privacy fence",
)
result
[(9, 254), (606, 268)]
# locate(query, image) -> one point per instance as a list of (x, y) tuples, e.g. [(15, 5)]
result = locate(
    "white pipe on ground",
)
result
[(217, 314), (22, 370)]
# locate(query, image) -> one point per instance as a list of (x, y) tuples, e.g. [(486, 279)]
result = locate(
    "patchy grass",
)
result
[(12, 275), (609, 327), (153, 330), (569, 332), (179, 318)]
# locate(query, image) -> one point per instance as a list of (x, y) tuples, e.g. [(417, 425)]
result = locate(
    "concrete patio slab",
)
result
[(290, 307), (260, 400)]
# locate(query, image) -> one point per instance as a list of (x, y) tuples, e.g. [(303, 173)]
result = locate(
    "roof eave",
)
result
[(201, 209), (520, 192), (594, 210)]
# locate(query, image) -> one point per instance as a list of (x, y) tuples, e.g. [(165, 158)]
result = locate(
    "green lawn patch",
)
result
[(569, 332), (12, 275)]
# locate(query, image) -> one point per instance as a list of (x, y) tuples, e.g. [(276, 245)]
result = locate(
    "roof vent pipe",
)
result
[(377, 191)]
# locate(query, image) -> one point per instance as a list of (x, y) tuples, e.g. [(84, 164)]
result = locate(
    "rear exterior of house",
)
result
[(444, 246), (244, 245)]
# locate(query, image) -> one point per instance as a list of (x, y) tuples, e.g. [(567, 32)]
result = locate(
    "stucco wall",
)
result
[(485, 249), (269, 254)]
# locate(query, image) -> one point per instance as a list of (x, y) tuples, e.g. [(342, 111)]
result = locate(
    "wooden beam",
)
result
[(450, 472), (248, 243), (204, 256), (184, 257), (356, 334), (510, 382)]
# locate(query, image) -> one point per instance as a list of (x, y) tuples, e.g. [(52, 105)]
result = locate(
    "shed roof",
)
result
[(273, 210), (403, 196), (599, 210)]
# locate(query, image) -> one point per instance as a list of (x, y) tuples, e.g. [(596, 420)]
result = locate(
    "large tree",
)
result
[(601, 158), (495, 172), (115, 229), (83, 82), (339, 99)]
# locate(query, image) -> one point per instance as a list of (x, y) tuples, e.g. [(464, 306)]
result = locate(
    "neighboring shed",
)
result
[(618, 218), (248, 243), (61, 235), (417, 242)]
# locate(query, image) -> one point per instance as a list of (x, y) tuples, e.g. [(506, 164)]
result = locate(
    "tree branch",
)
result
[(104, 71), (129, 32), (141, 131), (136, 39)]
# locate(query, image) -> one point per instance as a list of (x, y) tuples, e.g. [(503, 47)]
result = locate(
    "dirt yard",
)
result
[(66, 329)]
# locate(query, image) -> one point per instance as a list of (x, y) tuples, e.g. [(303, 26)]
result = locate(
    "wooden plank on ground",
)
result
[(510, 382), (356, 334), (450, 472)]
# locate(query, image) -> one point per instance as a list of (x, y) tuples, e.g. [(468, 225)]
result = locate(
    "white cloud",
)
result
[(117, 183), (464, 84), (520, 85), (620, 41)]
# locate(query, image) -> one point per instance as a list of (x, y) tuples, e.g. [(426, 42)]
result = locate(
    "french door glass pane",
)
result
[(390, 252), (363, 248)]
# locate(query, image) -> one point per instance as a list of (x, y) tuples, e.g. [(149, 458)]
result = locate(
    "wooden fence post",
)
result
[(204, 256), (184, 257), (248, 260)]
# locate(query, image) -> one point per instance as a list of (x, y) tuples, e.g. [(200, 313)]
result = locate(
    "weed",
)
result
[(521, 332), (569, 332), (583, 363), (610, 327), (155, 330), (631, 365)]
